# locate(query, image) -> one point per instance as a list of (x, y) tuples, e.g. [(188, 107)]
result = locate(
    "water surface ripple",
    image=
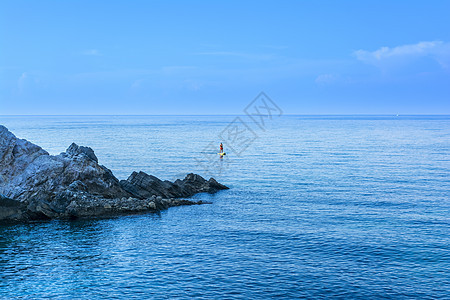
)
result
[(319, 207)]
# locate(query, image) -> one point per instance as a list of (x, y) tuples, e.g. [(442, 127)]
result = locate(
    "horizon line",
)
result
[(151, 115)]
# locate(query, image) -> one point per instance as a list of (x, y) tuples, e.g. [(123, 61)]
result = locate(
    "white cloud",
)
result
[(92, 52), (437, 50)]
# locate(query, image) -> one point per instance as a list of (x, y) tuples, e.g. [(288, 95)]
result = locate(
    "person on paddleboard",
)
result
[(221, 148)]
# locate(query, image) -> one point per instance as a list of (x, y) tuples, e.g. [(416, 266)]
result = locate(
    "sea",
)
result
[(340, 207)]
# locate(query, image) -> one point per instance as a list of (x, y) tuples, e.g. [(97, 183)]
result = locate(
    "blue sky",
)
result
[(211, 57)]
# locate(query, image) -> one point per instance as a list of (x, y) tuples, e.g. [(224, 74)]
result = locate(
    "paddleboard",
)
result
[(222, 153)]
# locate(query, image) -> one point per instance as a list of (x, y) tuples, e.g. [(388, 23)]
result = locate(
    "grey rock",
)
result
[(75, 150), (152, 205), (28, 172), (142, 185), (36, 185)]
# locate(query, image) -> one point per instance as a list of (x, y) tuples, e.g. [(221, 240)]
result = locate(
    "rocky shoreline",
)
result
[(35, 185)]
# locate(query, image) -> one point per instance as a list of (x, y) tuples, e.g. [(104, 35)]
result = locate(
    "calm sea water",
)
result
[(338, 206)]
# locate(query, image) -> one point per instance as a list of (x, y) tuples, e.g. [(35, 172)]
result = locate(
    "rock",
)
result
[(36, 185), (142, 185), (152, 205), (194, 184), (72, 208), (27, 171), (11, 210), (75, 150), (78, 186)]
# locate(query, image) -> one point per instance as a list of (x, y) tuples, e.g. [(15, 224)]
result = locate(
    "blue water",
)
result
[(319, 207)]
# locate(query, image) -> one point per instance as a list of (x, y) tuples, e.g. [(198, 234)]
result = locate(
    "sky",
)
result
[(214, 57)]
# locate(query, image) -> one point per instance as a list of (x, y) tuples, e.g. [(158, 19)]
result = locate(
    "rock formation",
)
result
[(142, 185), (36, 185)]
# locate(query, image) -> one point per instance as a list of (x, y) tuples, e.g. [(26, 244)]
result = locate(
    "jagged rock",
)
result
[(193, 184), (28, 172), (75, 150), (142, 185), (36, 185)]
